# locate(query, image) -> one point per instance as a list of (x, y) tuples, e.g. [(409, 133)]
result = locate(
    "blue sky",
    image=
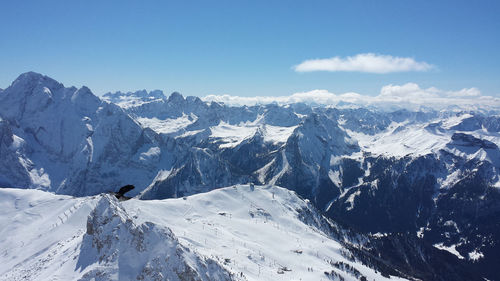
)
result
[(249, 48)]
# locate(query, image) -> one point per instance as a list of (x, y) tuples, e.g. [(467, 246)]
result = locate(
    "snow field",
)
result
[(252, 231), (256, 233)]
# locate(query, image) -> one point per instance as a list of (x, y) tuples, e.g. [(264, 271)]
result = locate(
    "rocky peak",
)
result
[(175, 97), (194, 100), (469, 140), (113, 238), (31, 80), (156, 94), (85, 98)]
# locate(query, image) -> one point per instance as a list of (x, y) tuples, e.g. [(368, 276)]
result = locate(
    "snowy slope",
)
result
[(253, 230), (240, 233), (427, 173), (228, 135), (55, 237), (403, 138), (40, 234)]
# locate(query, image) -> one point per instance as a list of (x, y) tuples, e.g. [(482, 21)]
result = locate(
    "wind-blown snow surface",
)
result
[(239, 233)]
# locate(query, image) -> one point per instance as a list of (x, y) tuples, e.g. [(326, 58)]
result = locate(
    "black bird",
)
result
[(126, 189), (120, 195)]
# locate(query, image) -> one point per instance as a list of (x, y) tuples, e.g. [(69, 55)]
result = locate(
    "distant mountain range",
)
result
[(422, 188)]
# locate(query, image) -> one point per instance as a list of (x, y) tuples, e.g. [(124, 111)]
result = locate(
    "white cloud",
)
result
[(391, 97), (368, 62), (471, 92), (408, 91)]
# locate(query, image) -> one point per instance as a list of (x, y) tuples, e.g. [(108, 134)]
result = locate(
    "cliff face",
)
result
[(68, 141)]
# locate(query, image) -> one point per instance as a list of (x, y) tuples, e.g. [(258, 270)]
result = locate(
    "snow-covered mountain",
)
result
[(235, 233), (131, 99), (421, 181), (68, 141)]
